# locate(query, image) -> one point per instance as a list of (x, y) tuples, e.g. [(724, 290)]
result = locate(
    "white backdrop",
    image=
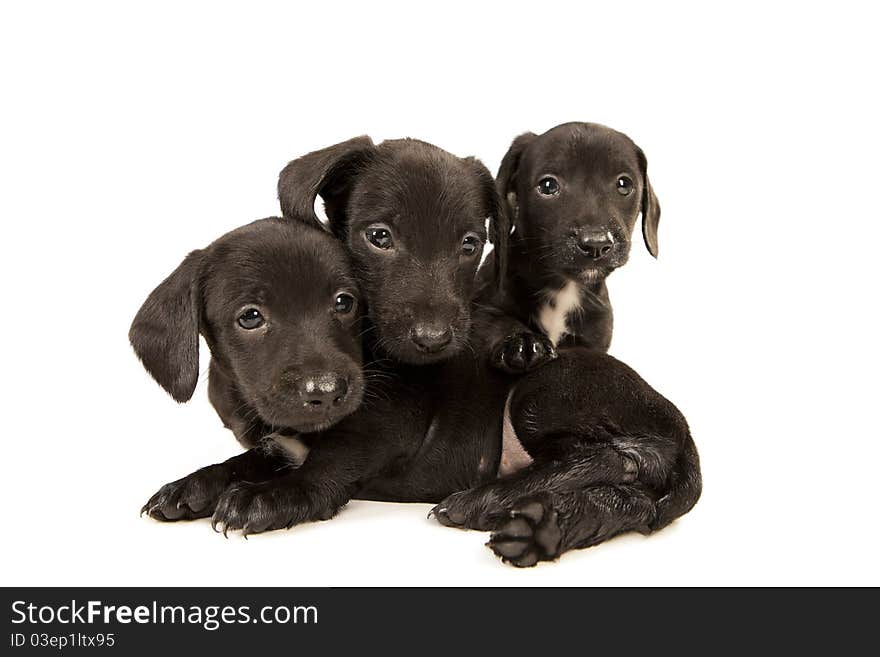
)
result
[(133, 135)]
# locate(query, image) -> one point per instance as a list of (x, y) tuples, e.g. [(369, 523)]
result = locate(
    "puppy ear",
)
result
[(506, 179), (499, 223), (328, 172), (165, 331), (650, 209)]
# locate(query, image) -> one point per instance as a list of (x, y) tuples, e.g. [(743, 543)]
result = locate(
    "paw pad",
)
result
[(523, 352), (532, 534)]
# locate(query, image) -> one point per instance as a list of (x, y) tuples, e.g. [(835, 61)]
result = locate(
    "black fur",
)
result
[(429, 201), (398, 445), (587, 160), (610, 454), (259, 379)]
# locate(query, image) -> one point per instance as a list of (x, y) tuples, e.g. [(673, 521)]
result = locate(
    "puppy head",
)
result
[(413, 218), (574, 194), (278, 307)]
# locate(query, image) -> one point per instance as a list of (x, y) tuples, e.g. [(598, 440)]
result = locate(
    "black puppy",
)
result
[(277, 305), (413, 218), (573, 195)]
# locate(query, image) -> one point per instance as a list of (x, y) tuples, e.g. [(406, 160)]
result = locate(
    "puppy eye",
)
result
[(251, 319), (548, 186), (470, 245), (379, 236), (344, 303), (624, 185)]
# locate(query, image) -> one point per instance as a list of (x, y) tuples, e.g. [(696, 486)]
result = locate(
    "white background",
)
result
[(133, 135)]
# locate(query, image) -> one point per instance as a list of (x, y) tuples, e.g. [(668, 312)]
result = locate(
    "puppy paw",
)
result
[(531, 534), (254, 508), (189, 498), (467, 510), (250, 508), (523, 352)]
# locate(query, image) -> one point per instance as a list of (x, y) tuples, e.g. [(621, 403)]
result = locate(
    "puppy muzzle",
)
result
[(311, 401)]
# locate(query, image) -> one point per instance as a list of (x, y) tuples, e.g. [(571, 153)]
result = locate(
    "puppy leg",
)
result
[(276, 504), (317, 490), (541, 527), (196, 495), (486, 507)]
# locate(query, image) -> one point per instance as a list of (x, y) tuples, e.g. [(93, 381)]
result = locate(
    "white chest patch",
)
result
[(296, 450), (553, 315)]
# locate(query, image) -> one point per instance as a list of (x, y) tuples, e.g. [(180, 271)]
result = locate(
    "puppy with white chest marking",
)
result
[(572, 197)]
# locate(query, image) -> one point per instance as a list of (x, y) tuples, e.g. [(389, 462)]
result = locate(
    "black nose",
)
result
[(431, 337), (595, 245), (326, 389)]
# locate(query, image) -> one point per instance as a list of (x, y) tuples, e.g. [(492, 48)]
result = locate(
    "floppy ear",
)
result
[(650, 209), (506, 179), (165, 331), (328, 172), (499, 224)]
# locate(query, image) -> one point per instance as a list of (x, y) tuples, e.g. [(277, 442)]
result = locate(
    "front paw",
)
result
[(531, 534), (523, 352), (254, 508), (189, 498)]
